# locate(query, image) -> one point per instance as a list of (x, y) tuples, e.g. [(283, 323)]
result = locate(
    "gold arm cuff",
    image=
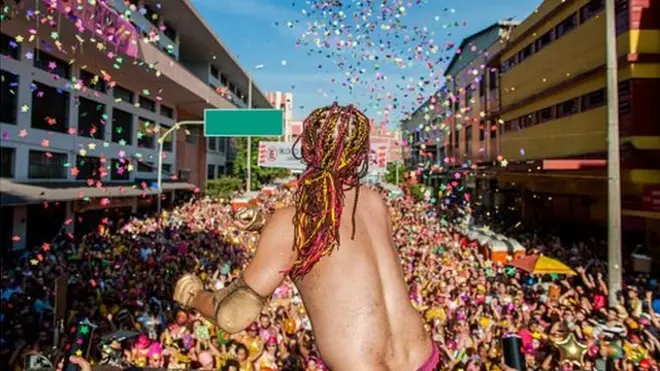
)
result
[(237, 306)]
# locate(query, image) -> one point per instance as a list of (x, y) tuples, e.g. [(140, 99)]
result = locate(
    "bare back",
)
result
[(357, 299)]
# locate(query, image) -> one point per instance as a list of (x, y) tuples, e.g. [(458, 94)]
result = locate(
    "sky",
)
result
[(383, 59)]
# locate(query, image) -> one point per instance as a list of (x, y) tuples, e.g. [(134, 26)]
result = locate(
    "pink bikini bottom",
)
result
[(433, 360)]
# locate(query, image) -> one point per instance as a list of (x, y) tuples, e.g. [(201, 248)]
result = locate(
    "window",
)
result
[(210, 172), (593, 100), (7, 162), (145, 167), (91, 121), (544, 40), (184, 175), (221, 171), (566, 25), (47, 165), (469, 89), (222, 145), (223, 79), (621, 8), (92, 81), (52, 64), (525, 53), (9, 101), (591, 9), (89, 167), (145, 133), (468, 139), (508, 126), (231, 87), (168, 140), (122, 127), (482, 133), (508, 64), (151, 15), (50, 108), (482, 86), (457, 134), (492, 79), (212, 143), (214, 71), (545, 114), (170, 31), (146, 103), (123, 94), (568, 107), (166, 111), (493, 132), (526, 121), (167, 169), (9, 47), (119, 169), (624, 89)]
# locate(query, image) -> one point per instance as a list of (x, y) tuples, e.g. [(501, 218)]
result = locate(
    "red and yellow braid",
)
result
[(335, 146)]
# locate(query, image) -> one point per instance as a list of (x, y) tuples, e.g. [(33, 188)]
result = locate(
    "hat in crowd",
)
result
[(142, 342), (272, 340)]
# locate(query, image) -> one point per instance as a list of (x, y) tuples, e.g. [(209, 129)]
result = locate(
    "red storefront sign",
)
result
[(102, 21), (652, 197)]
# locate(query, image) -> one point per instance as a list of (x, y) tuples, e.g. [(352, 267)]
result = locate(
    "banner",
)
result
[(279, 155), (378, 158)]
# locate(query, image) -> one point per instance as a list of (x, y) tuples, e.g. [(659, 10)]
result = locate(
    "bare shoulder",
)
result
[(282, 217), (372, 200), (280, 225)]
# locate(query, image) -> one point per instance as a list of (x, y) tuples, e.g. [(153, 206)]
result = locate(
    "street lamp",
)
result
[(248, 186)]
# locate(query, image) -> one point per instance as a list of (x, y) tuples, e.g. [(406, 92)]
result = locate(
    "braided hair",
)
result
[(335, 146)]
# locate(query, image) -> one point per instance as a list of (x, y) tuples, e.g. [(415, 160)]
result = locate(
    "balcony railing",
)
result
[(101, 20), (142, 24)]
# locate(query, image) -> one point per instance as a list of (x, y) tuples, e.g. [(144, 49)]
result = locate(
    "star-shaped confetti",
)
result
[(25, 108)]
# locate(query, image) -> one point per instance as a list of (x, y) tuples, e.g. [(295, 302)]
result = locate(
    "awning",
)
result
[(13, 193)]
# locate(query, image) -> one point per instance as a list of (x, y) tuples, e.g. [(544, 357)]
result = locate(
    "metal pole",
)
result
[(613, 169), (248, 186), (161, 140), (160, 174)]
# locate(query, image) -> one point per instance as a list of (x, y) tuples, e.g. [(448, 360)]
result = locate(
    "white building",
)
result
[(81, 114)]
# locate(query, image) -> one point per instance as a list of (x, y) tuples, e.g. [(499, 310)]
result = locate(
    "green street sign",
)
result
[(243, 122)]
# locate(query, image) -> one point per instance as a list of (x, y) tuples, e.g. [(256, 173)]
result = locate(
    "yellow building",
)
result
[(553, 111)]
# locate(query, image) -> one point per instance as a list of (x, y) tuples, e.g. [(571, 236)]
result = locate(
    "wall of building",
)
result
[(191, 160), (22, 137)]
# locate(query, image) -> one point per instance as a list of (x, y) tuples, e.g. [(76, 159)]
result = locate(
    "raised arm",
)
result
[(238, 305)]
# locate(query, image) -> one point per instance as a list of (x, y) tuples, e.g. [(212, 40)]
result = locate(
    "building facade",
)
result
[(553, 111), (82, 114), (452, 129)]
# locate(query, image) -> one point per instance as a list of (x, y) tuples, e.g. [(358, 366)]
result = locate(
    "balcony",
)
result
[(230, 95), (578, 134), (143, 25)]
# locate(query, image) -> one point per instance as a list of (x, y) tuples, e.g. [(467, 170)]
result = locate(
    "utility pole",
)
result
[(613, 168)]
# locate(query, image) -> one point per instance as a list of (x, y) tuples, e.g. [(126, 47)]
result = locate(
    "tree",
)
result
[(260, 175), (391, 170)]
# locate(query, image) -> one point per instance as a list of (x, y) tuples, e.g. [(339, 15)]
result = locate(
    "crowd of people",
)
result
[(120, 282)]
